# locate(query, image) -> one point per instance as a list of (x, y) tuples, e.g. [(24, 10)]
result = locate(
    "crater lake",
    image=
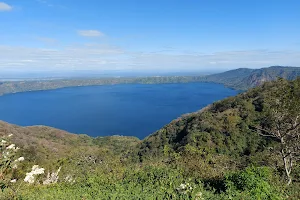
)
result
[(127, 109)]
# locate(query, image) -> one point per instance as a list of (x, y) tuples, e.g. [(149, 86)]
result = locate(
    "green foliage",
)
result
[(118, 144), (224, 127), (252, 183), (203, 155), (147, 183), (281, 120), (9, 162)]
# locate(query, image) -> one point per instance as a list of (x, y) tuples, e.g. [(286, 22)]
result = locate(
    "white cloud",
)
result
[(219, 60), (5, 7), (46, 3), (90, 33), (107, 57), (68, 58)]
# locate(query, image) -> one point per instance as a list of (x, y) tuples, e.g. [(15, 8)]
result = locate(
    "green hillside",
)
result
[(46, 144), (243, 78), (224, 151)]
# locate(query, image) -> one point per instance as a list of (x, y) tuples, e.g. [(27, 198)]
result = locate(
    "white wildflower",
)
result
[(52, 178), (198, 196), (13, 181), (69, 179), (3, 142), (29, 178), (20, 159), (12, 146), (184, 188), (6, 154), (181, 186), (15, 166), (34, 171), (10, 135)]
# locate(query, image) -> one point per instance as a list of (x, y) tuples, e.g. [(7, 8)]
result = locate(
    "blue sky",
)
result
[(159, 35)]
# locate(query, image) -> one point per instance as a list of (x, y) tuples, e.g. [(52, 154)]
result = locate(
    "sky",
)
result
[(147, 35)]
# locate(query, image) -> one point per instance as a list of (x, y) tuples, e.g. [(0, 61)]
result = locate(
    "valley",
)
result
[(216, 152)]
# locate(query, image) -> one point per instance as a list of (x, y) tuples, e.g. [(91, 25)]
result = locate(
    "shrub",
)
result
[(252, 183)]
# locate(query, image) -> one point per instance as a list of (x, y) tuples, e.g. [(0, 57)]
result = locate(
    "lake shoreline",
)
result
[(102, 110), (50, 89)]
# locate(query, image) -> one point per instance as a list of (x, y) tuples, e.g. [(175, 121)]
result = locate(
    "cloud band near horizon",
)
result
[(105, 57)]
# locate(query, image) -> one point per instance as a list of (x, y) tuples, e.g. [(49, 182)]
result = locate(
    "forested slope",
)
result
[(223, 151)]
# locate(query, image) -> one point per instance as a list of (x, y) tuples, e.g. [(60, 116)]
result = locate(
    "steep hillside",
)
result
[(260, 76), (43, 144), (230, 78), (226, 127), (243, 78)]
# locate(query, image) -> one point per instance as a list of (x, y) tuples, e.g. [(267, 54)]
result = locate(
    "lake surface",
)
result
[(133, 109)]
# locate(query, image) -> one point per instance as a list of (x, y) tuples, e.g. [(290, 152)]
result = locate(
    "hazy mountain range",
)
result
[(239, 79)]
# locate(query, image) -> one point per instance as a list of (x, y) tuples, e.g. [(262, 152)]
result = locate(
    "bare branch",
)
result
[(269, 134)]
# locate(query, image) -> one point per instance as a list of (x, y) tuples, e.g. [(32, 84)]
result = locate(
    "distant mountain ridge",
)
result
[(244, 78), (239, 79)]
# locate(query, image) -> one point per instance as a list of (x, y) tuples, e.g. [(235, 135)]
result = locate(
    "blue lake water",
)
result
[(133, 109)]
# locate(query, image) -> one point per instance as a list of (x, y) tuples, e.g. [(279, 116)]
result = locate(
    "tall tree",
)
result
[(282, 121)]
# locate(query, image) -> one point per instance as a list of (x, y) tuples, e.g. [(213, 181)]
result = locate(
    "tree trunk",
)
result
[(288, 163)]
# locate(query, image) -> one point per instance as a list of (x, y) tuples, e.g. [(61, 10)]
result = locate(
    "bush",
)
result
[(252, 183), (152, 182)]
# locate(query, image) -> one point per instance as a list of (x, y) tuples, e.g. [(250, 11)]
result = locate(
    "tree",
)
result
[(282, 121)]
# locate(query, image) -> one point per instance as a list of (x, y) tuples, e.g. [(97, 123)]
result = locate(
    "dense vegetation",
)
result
[(240, 79), (219, 152)]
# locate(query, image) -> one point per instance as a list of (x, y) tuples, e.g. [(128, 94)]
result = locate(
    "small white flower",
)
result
[(10, 135), (29, 178), (69, 179), (58, 170), (198, 196), (6, 154), (184, 188), (15, 166), (36, 170), (52, 178), (13, 181), (21, 159), (12, 146), (3, 142)]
